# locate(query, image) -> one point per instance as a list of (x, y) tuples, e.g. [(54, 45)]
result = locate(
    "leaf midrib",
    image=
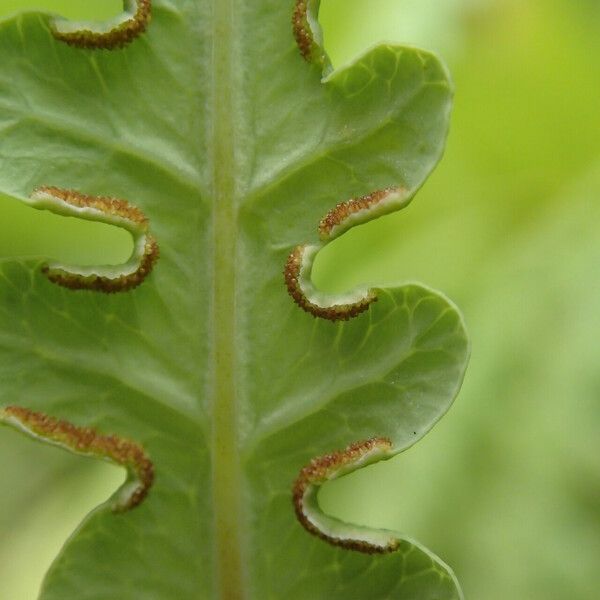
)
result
[(226, 477)]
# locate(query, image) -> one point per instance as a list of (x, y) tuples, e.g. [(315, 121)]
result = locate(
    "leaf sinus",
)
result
[(297, 275), (341, 218), (112, 211), (331, 466), (111, 34), (88, 442)]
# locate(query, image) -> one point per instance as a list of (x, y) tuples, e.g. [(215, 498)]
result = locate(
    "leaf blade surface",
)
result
[(231, 175)]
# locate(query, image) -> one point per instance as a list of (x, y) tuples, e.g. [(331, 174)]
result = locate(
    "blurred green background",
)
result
[(506, 488)]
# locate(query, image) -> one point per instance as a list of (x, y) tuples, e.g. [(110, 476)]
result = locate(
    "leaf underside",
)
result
[(229, 142)]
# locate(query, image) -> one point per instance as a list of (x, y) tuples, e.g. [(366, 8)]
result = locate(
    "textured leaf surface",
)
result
[(228, 141)]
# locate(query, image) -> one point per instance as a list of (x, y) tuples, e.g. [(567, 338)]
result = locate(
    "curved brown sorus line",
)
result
[(337, 221), (333, 312), (113, 211), (341, 215), (120, 35), (302, 31), (106, 204), (102, 283), (327, 467), (87, 441)]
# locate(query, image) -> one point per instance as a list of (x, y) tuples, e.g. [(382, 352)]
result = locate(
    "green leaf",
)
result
[(215, 128)]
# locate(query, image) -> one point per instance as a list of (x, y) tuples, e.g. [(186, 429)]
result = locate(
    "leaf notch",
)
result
[(107, 35), (345, 215), (113, 211), (332, 466), (88, 442), (297, 273)]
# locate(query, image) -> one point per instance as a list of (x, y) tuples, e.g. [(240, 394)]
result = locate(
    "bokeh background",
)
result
[(506, 488)]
